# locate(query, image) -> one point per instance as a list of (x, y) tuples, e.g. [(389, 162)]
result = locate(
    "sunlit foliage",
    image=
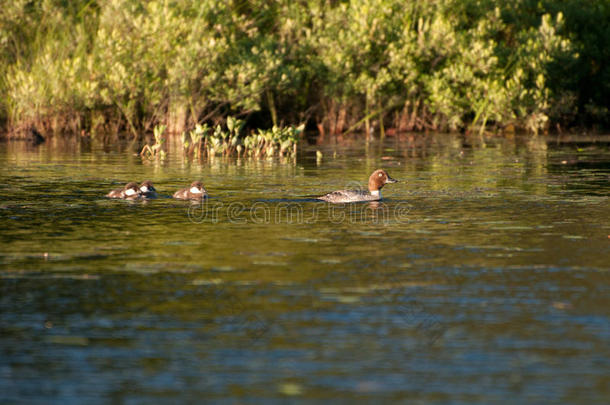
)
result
[(411, 65)]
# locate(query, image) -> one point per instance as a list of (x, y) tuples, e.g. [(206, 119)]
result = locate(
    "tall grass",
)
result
[(131, 65), (230, 141)]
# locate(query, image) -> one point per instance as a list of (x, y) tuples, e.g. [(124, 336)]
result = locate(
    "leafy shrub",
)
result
[(444, 65)]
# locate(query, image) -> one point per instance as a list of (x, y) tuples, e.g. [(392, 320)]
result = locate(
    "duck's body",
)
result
[(377, 180), (343, 196), (194, 192), (129, 192), (147, 190)]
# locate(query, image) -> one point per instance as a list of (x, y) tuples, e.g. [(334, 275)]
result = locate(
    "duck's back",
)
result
[(181, 194), (188, 194), (118, 193), (341, 196)]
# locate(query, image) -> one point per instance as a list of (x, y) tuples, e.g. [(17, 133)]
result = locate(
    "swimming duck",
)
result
[(377, 180), (130, 191), (195, 191)]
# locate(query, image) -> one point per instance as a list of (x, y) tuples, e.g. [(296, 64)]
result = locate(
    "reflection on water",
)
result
[(482, 276)]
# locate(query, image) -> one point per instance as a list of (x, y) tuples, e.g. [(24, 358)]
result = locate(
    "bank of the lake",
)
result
[(129, 65)]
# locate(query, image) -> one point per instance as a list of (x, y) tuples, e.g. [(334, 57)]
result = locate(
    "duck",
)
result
[(195, 191), (130, 191), (148, 190), (377, 180)]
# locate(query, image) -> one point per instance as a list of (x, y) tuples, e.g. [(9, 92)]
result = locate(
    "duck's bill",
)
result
[(391, 180)]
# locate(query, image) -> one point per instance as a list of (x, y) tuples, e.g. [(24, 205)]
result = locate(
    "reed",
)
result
[(230, 141), (156, 150)]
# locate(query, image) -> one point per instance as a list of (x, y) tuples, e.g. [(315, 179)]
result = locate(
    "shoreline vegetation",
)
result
[(102, 68), (210, 142)]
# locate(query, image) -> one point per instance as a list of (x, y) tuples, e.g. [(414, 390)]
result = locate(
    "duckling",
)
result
[(195, 191), (130, 191)]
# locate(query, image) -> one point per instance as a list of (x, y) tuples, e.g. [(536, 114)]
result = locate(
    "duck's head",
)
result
[(147, 187), (131, 189), (197, 187), (378, 179)]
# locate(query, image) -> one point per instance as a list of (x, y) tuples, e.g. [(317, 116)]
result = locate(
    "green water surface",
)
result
[(482, 277)]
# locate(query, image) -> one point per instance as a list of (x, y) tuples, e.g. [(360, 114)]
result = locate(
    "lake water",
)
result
[(482, 277)]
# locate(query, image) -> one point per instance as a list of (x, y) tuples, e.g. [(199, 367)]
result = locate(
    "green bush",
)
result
[(442, 65)]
